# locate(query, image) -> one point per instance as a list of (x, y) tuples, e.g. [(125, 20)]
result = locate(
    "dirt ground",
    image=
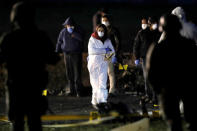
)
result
[(63, 105)]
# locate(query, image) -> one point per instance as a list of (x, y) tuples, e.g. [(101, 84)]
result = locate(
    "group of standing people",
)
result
[(170, 68), (167, 60), (169, 63), (103, 47), (70, 45)]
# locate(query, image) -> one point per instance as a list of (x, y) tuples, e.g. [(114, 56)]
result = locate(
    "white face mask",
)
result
[(106, 23), (154, 26), (144, 26), (100, 34), (160, 28)]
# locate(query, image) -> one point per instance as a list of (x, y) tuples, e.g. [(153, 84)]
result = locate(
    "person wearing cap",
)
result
[(70, 43)]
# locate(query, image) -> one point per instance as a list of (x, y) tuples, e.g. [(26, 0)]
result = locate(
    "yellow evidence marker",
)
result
[(44, 93)]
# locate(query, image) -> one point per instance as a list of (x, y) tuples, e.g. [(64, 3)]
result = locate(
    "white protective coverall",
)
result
[(98, 68), (189, 29)]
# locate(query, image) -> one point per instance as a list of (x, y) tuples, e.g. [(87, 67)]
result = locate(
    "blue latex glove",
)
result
[(114, 60), (137, 62), (107, 50)]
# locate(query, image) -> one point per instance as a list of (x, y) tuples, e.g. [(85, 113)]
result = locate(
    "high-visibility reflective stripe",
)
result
[(92, 116), (93, 122), (57, 117)]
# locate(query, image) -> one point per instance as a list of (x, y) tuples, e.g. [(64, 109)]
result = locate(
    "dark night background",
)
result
[(126, 14)]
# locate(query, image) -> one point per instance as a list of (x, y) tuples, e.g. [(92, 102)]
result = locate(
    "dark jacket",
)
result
[(70, 43), (142, 42), (155, 34), (114, 36), (26, 52), (171, 64)]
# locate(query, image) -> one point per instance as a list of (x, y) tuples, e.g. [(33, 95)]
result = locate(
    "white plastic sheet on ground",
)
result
[(141, 125)]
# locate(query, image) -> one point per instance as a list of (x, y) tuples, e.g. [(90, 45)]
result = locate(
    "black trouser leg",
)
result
[(69, 72), (34, 121), (190, 111), (18, 122), (77, 65), (16, 111), (170, 106)]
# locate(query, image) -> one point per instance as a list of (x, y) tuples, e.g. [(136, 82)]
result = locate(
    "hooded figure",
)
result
[(26, 51), (22, 15), (171, 71), (99, 45), (155, 34), (70, 43), (189, 30), (69, 21)]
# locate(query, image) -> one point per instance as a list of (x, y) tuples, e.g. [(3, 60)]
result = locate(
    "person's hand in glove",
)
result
[(114, 60), (137, 62), (107, 50)]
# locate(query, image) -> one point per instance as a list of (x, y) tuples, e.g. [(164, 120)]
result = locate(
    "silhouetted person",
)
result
[(26, 51), (171, 70), (189, 29), (70, 43)]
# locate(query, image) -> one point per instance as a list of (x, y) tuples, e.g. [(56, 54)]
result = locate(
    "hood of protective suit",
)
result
[(179, 12), (95, 35), (22, 14), (69, 21)]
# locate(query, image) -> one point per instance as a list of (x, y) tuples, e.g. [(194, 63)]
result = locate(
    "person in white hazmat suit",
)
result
[(100, 51), (189, 29)]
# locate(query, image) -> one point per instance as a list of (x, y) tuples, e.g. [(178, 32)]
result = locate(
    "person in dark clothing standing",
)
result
[(155, 34), (114, 36), (97, 17), (26, 51), (171, 69), (70, 42), (142, 42)]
